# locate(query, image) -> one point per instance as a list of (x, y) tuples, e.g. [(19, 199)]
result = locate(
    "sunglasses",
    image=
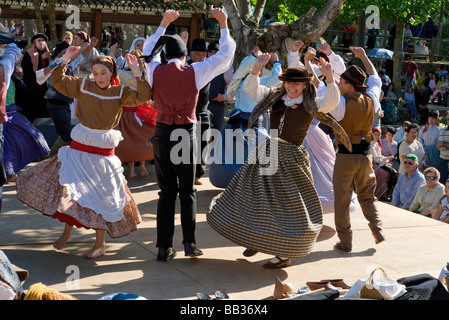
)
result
[(409, 162), (430, 177)]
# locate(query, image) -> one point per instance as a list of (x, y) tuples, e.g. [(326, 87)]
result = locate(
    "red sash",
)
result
[(90, 149), (145, 112)]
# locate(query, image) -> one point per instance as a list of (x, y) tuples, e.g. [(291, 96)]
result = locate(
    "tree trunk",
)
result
[(398, 58), (247, 33), (361, 31), (39, 20), (52, 23), (440, 30)]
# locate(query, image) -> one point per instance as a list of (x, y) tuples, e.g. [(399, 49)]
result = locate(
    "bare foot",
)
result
[(63, 238), (59, 244), (95, 252), (143, 170), (131, 175)]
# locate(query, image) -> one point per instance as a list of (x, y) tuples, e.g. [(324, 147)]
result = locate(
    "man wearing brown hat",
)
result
[(355, 169)]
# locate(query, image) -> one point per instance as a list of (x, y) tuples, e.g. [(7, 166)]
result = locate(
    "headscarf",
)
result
[(377, 129), (35, 56), (82, 35), (109, 63), (133, 45), (133, 49)]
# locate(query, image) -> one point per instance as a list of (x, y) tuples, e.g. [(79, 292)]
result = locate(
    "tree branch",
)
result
[(258, 11), (233, 15)]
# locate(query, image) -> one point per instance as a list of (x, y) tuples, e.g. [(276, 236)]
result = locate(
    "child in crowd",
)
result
[(440, 90)]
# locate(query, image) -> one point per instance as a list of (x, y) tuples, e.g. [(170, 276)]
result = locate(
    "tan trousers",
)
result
[(354, 172)]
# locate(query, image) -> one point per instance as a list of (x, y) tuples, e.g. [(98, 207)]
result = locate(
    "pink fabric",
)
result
[(381, 182)]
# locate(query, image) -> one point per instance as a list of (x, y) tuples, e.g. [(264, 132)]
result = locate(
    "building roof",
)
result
[(119, 5)]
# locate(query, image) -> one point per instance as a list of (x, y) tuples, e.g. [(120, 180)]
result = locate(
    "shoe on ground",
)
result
[(249, 252), (191, 250), (282, 263), (198, 181), (378, 236), (165, 254), (344, 247)]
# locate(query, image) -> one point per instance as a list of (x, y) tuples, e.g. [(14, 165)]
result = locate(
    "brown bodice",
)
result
[(296, 123)]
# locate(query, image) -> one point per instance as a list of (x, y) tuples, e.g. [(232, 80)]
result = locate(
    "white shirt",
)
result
[(325, 103), (206, 70), (375, 87), (337, 62)]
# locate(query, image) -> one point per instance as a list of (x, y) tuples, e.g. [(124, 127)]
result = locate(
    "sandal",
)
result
[(282, 263)]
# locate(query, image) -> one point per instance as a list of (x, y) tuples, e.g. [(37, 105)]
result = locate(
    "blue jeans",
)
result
[(410, 82), (61, 116)]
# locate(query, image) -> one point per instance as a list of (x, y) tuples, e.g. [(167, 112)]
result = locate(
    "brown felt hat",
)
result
[(355, 76), (296, 74)]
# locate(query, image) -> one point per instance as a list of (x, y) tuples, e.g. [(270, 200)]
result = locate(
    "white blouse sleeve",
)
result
[(330, 100), (253, 88)]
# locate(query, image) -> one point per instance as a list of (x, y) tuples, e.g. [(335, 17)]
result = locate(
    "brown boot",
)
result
[(55, 147)]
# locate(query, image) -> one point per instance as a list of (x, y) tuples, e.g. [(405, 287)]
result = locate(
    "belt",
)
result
[(108, 152)]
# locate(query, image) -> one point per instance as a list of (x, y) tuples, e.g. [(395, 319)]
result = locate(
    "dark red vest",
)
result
[(175, 94)]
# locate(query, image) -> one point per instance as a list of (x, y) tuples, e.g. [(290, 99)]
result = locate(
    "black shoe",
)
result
[(191, 250), (249, 252), (165, 254)]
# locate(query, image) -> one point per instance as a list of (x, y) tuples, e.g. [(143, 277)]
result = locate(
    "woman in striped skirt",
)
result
[(271, 205)]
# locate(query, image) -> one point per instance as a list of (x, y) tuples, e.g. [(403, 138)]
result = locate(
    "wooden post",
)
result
[(195, 28), (432, 50), (96, 30)]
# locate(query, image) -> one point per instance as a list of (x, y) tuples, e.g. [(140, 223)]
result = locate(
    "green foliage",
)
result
[(288, 10), (285, 15)]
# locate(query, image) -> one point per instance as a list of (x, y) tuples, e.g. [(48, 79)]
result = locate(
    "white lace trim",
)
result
[(289, 101), (97, 95)]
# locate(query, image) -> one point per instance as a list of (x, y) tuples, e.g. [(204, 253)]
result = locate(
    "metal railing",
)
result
[(436, 53)]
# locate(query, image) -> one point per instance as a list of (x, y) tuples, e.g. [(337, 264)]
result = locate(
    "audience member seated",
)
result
[(443, 206), (432, 86), (440, 91), (409, 98), (411, 145), (408, 183), (428, 136), (428, 196), (382, 166), (389, 146), (421, 103), (443, 147), (400, 133), (389, 106)]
